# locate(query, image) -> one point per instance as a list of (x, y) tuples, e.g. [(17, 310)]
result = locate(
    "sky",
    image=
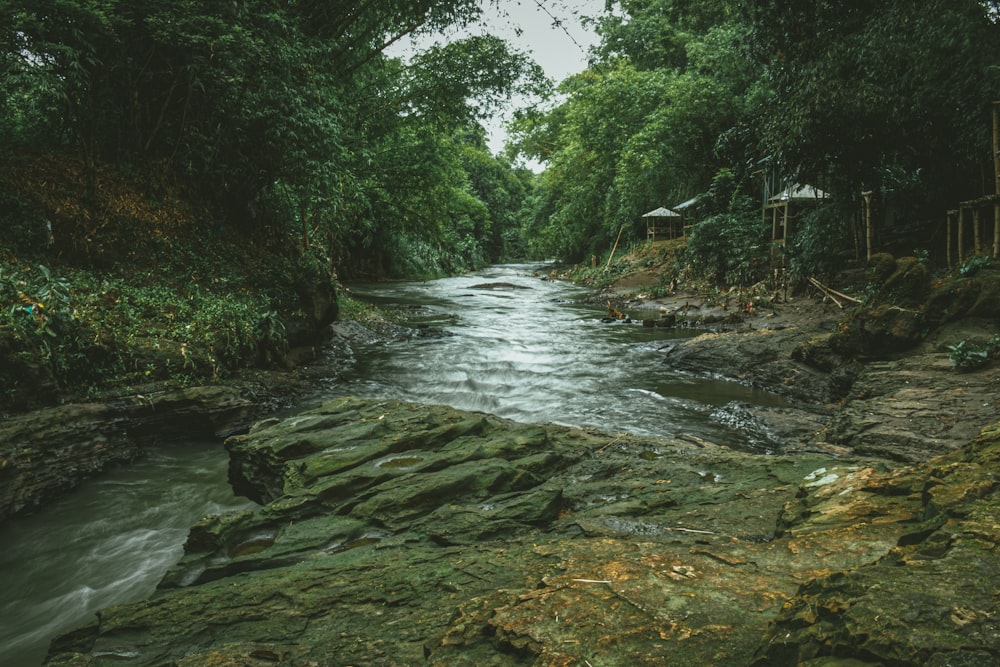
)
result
[(560, 49), (530, 26)]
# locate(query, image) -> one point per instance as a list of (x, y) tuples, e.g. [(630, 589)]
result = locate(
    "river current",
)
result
[(530, 349), (505, 341)]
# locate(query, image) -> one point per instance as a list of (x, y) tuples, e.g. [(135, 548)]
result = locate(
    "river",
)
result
[(504, 340), (108, 542), (532, 350)]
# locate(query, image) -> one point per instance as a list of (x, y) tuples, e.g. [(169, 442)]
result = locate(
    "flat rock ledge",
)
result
[(397, 534)]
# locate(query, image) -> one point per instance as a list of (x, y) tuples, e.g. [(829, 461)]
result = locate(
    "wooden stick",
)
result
[(826, 292), (690, 530), (612, 255), (844, 296), (830, 292)]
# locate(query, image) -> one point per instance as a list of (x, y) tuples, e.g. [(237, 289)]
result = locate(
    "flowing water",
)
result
[(108, 542), (530, 349), (513, 344)]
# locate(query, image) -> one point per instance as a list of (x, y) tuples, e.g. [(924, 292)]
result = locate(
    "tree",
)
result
[(885, 95), (287, 116), (648, 124)]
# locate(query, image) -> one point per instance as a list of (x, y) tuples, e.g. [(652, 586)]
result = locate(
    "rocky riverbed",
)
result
[(396, 534), (873, 378)]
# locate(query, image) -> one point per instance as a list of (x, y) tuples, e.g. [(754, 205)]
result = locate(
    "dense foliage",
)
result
[(183, 181), (287, 118), (892, 97)]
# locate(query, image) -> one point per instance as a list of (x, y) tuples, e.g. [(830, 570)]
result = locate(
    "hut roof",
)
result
[(661, 212), (798, 192)]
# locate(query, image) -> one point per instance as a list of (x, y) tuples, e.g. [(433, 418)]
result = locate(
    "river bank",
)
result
[(873, 375), (46, 453), (907, 404), (336, 468)]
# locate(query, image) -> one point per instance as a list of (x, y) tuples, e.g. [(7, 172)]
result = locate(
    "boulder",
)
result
[(909, 307)]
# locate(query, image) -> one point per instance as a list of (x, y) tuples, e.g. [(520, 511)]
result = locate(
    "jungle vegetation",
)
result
[(194, 176), (889, 97)]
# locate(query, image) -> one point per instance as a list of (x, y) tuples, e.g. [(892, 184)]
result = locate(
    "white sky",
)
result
[(561, 54), (530, 28)]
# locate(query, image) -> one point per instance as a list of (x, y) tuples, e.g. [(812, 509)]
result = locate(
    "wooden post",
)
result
[(996, 176), (869, 228), (996, 228), (977, 235), (961, 233), (947, 236), (788, 221), (996, 147)]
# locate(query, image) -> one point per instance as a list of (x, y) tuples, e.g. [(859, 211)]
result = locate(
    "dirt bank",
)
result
[(874, 377)]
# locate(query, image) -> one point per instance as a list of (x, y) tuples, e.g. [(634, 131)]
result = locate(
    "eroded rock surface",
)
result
[(908, 407), (396, 534), (932, 598), (47, 452)]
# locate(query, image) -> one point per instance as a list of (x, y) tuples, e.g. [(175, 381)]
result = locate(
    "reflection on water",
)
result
[(107, 543), (538, 354)]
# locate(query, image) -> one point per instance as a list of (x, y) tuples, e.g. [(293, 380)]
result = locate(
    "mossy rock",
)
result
[(881, 266), (879, 331), (957, 297), (909, 284), (987, 303), (930, 600), (819, 353), (910, 306)]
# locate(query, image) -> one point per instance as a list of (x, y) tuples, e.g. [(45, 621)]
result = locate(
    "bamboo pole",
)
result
[(977, 234), (996, 229), (869, 230), (947, 237), (612, 255), (996, 147), (833, 294), (996, 176), (961, 233)]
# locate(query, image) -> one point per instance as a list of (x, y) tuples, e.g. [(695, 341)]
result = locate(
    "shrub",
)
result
[(729, 248), (816, 243), (972, 266), (968, 357)]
